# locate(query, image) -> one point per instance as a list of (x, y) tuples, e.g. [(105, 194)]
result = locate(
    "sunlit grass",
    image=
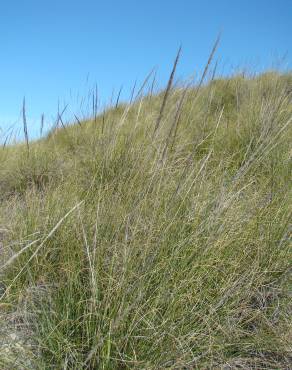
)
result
[(155, 246)]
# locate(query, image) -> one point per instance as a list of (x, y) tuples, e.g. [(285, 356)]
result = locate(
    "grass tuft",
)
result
[(122, 249)]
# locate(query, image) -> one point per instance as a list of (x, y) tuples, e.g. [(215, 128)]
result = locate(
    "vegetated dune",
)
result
[(155, 235)]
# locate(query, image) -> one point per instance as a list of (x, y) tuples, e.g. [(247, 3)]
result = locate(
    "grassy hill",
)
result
[(155, 235)]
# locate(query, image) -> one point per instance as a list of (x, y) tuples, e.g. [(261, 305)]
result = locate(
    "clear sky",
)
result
[(55, 50)]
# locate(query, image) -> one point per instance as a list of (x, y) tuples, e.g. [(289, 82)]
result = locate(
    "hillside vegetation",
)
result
[(155, 235)]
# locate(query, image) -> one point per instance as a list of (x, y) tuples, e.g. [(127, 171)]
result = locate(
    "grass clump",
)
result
[(135, 245)]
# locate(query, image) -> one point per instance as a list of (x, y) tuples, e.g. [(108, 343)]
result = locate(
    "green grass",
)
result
[(155, 249)]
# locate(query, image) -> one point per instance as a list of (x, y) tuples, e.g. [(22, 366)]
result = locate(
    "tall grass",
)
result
[(128, 250)]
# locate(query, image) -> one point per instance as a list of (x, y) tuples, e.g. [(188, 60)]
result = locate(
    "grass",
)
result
[(122, 249)]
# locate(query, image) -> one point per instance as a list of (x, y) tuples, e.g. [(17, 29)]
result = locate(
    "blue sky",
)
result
[(57, 50)]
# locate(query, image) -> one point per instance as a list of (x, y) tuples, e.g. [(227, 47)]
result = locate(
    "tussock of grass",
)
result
[(156, 251)]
